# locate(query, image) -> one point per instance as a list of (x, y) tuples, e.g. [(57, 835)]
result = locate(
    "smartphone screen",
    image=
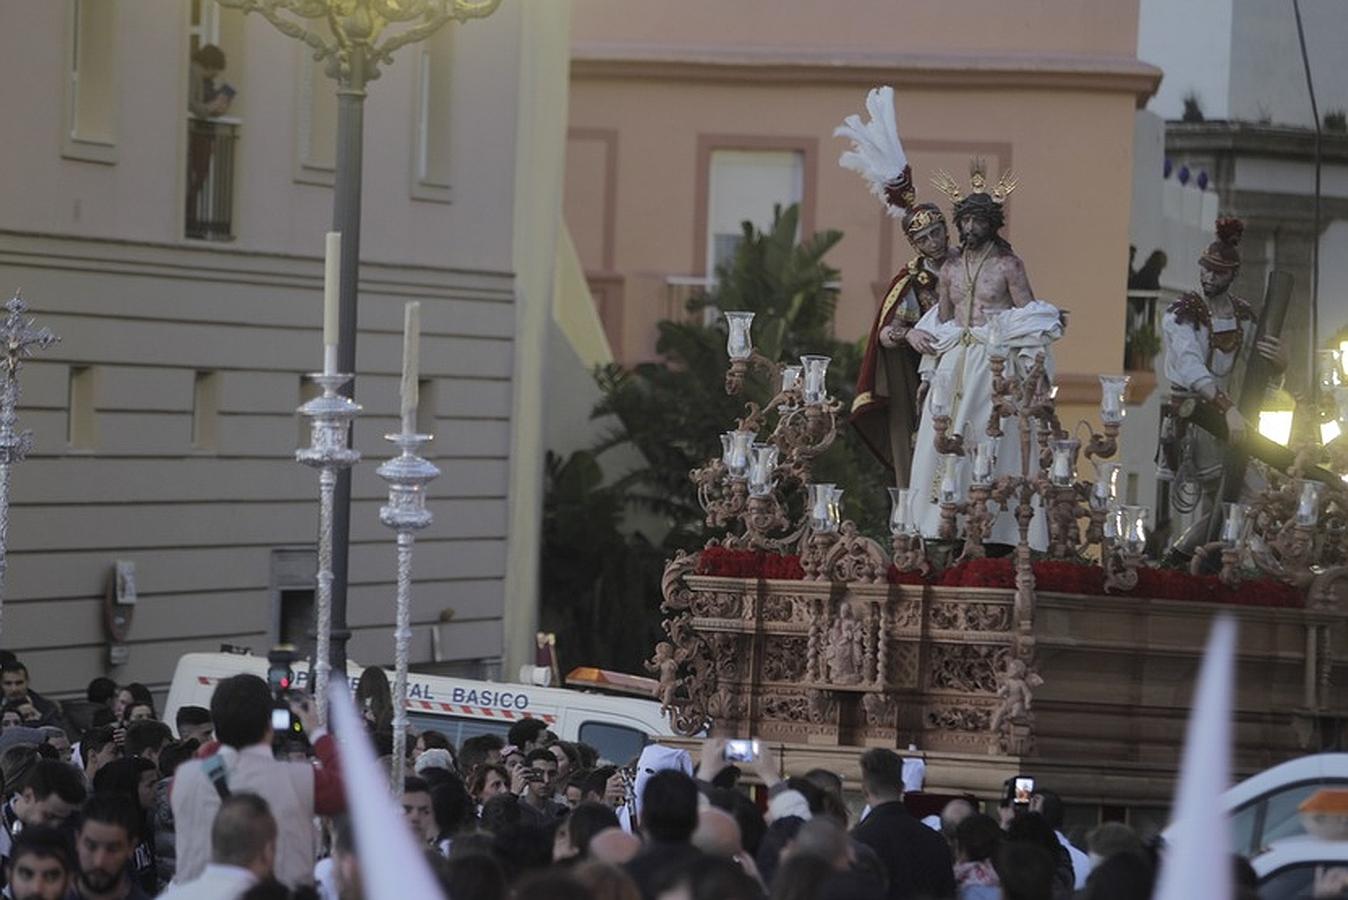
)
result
[(1024, 790), (741, 751)]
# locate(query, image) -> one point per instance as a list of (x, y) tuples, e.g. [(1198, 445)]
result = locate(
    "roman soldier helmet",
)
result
[(1222, 255), (878, 156), (920, 218)]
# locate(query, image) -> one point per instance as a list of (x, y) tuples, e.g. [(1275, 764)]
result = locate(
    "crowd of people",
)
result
[(106, 802)]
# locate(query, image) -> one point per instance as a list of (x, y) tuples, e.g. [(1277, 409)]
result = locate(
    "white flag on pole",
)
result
[(1197, 862), (392, 866)]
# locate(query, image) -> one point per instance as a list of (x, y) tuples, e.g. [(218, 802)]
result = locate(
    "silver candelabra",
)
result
[(20, 339), (330, 416), (407, 475)]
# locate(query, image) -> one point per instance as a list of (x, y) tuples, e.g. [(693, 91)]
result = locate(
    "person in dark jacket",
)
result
[(916, 857), (668, 819), (1033, 828)]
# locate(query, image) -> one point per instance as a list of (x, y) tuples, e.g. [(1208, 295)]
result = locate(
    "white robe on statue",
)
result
[(963, 354), (1195, 365)]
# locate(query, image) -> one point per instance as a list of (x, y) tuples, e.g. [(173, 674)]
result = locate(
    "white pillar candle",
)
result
[(949, 492), (1064, 455), (332, 276), (985, 456), (1308, 508), (408, 389)]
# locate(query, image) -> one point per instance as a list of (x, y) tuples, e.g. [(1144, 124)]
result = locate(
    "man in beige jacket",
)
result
[(296, 791)]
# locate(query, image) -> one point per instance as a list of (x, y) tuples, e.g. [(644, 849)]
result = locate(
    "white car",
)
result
[(1263, 807), (1302, 866)]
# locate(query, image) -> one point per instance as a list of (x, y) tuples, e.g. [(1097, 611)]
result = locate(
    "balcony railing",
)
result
[(210, 178), (1142, 342)]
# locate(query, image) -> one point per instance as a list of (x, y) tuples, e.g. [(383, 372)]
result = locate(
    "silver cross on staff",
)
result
[(18, 340)]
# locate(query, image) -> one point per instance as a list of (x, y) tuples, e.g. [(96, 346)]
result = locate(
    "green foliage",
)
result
[(673, 411), (597, 582)]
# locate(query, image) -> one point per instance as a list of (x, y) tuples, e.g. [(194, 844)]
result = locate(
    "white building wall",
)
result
[(95, 239), (1242, 57)]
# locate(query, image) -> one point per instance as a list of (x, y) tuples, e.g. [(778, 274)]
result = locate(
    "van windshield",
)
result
[(616, 743), (458, 728)]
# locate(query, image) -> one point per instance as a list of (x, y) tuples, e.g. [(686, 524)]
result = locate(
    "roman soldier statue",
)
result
[(884, 411), (1206, 334)]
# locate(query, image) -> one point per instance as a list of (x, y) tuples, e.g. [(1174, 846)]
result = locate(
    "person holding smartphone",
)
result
[(534, 785), (241, 709)]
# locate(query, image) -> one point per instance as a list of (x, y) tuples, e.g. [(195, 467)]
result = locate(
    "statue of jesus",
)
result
[(983, 298)]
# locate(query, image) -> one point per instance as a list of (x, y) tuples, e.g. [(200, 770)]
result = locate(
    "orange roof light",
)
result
[(1331, 801), (611, 682)]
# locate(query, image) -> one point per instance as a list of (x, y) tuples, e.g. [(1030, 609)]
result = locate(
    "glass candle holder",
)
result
[(739, 344), (1113, 388), (985, 460), (900, 511), (815, 374), (938, 394), (1105, 491), (1064, 462), (1308, 506), (791, 376), (825, 508), (761, 468), (727, 444), (1327, 368), (1113, 526), (1133, 533), (1233, 524), (741, 445), (835, 508), (949, 484)]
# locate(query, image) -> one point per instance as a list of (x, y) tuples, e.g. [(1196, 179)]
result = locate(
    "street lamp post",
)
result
[(360, 39)]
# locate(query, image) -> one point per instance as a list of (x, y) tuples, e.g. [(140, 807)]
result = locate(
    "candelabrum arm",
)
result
[(739, 368)]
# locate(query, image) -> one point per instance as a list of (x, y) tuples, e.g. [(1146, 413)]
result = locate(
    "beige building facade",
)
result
[(687, 118), (165, 421)]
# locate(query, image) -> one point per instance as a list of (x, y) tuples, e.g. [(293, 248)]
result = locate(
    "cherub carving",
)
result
[(1015, 689), (666, 666)]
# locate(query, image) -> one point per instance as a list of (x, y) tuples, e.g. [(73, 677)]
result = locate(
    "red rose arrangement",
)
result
[(1054, 576), (726, 563)]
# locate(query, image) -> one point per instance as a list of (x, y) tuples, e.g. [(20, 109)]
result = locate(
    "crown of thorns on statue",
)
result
[(978, 202)]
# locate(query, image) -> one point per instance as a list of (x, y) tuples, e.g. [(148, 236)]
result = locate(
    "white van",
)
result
[(618, 727)]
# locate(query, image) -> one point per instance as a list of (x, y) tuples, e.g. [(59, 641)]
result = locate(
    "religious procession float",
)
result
[(1022, 617)]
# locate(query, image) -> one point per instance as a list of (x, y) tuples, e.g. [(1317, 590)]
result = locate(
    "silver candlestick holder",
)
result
[(330, 416), (407, 475), (18, 340)]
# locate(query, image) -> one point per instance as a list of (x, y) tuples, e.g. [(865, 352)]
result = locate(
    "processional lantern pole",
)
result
[(330, 416), (407, 475), (19, 339), (353, 38)]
